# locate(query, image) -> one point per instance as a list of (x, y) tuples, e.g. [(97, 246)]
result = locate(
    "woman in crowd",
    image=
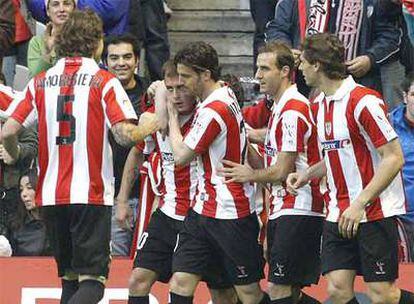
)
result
[(41, 55), (28, 236)]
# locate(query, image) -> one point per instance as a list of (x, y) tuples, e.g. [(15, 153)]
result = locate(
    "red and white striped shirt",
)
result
[(291, 129), (75, 103), (218, 133), (177, 185), (351, 125)]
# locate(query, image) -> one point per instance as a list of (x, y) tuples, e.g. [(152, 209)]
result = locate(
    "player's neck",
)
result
[(209, 88), (329, 86), (282, 89)]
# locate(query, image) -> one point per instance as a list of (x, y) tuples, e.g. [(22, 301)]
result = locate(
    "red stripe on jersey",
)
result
[(335, 162), (113, 110), (374, 132), (212, 130), (209, 208), (95, 142), (43, 153), (65, 170), (182, 186), (233, 152), (24, 108)]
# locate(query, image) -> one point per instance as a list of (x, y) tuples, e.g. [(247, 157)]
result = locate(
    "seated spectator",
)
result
[(403, 120), (41, 55), (28, 236)]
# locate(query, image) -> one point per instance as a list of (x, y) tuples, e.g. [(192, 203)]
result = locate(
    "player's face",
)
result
[(59, 10), (27, 193), (268, 74), (409, 100), (122, 61), (190, 79), (181, 97), (308, 71)]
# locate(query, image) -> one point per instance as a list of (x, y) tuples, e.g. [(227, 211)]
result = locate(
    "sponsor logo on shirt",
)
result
[(167, 157), (335, 144)]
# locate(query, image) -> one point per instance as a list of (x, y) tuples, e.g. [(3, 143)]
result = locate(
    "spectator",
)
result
[(121, 55), (402, 119), (7, 25), (373, 41), (262, 12), (18, 53), (41, 53), (148, 23), (28, 237)]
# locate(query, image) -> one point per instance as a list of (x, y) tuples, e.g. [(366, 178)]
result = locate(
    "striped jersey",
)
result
[(351, 125), (176, 185), (75, 104), (291, 129), (218, 133)]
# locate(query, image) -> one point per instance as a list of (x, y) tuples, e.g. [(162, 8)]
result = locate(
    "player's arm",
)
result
[(275, 174), (182, 154), (9, 134), (256, 136), (126, 133), (129, 176)]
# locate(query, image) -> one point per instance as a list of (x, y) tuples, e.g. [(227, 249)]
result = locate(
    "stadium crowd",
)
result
[(316, 176)]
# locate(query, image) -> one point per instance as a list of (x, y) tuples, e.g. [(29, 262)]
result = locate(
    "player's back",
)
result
[(76, 104)]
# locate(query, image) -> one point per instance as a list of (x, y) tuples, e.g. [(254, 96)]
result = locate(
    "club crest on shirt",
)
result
[(328, 128)]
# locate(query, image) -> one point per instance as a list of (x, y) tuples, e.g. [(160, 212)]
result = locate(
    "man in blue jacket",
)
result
[(403, 120)]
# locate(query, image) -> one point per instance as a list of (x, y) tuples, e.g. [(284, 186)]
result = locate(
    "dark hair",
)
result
[(199, 56), (329, 51), (236, 86), (124, 38), (80, 35), (284, 56), (169, 69), (408, 82)]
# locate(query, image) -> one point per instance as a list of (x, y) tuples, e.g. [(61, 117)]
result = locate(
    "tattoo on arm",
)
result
[(123, 133)]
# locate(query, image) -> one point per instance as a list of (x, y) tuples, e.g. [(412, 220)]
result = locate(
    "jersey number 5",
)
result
[(63, 116)]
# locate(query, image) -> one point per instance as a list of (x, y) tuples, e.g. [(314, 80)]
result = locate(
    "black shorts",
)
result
[(223, 252), (294, 244), (373, 253), (156, 245), (80, 237)]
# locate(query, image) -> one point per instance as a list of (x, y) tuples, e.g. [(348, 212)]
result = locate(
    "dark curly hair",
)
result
[(201, 57), (329, 51), (80, 35)]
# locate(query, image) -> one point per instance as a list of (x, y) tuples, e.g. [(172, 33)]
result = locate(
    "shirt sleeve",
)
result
[(25, 111), (291, 132), (118, 106), (370, 114), (204, 130)]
